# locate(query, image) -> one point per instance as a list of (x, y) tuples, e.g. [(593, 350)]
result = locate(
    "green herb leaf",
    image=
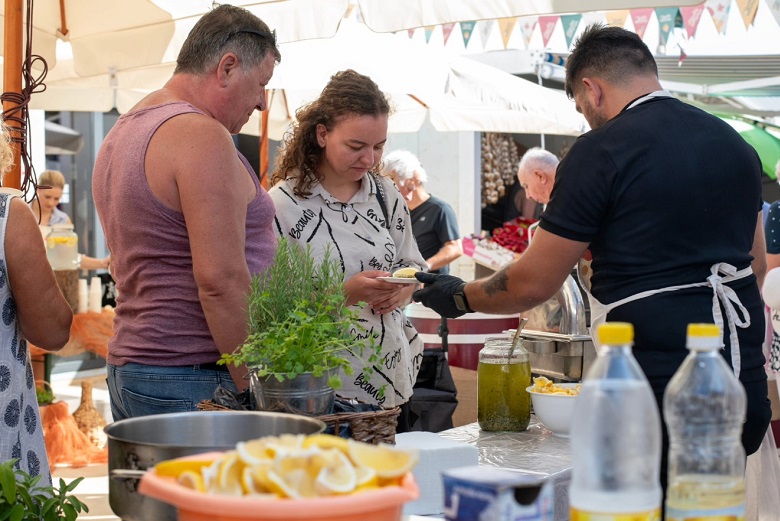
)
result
[(298, 320)]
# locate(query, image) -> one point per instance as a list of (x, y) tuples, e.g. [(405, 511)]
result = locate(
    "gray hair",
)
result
[(404, 164), (224, 29), (538, 156)]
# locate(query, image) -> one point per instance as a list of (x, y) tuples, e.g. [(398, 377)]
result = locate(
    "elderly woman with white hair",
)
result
[(434, 224)]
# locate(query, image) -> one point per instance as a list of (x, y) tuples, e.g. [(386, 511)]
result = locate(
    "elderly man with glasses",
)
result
[(186, 220)]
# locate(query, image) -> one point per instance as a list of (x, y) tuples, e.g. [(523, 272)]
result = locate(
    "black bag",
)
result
[(435, 396)]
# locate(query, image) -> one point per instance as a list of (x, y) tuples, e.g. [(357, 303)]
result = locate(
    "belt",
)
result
[(211, 366)]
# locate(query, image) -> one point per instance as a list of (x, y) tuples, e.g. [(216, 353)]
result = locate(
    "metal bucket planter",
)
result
[(305, 394)]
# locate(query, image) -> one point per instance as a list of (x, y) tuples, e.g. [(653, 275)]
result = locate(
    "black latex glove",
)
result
[(437, 293)]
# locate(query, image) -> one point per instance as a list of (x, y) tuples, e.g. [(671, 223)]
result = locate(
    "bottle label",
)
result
[(581, 515), (735, 513)]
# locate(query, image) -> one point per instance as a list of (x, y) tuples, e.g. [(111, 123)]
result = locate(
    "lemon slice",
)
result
[(192, 479), (337, 476), (405, 273), (294, 484), (228, 476), (254, 452), (326, 441), (366, 479), (386, 461), (255, 482), (284, 444), (174, 468)]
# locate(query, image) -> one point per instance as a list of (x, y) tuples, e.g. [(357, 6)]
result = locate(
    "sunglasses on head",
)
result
[(262, 34)]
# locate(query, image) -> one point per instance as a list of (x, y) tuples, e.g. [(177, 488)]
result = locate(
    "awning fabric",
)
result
[(766, 143)]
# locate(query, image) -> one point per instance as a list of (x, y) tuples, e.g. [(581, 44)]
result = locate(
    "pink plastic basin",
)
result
[(382, 504)]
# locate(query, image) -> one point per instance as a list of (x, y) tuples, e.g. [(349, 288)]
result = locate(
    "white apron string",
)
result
[(721, 295)]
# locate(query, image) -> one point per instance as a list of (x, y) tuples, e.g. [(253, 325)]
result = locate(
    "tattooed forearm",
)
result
[(498, 282)]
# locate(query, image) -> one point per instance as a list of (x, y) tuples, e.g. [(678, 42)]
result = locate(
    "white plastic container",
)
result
[(615, 437), (705, 406), (95, 295), (83, 296)]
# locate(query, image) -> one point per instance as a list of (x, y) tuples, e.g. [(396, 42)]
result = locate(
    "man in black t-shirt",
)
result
[(434, 224), (667, 199)]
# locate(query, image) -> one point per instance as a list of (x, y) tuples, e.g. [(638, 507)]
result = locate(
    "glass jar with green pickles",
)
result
[(503, 375)]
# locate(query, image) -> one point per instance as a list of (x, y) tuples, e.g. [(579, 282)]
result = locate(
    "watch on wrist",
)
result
[(460, 300)]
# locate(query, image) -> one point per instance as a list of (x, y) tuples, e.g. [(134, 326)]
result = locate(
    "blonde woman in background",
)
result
[(35, 311), (45, 206)]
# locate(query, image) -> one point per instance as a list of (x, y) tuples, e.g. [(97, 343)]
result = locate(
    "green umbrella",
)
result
[(766, 143)]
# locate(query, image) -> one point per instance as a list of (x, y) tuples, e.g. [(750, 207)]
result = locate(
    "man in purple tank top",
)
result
[(186, 220)]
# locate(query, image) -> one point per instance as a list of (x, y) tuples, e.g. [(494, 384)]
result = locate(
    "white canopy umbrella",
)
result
[(456, 93), (397, 15), (108, 36), (114, 35)]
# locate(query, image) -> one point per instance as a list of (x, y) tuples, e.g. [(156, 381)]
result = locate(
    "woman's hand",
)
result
[(383, 297)]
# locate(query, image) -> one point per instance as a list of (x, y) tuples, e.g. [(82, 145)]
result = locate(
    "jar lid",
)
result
[(61, 226)]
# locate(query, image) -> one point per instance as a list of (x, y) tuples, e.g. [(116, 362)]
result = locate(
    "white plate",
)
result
[(400, 280)]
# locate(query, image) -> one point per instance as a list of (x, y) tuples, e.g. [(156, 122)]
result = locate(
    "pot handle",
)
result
[(126, 474)]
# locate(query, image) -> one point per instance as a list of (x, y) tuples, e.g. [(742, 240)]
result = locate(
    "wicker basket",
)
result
[(88, 419), (369, 426)]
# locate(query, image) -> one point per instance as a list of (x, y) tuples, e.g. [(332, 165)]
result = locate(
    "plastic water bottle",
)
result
[(615, 437), (704, 406)]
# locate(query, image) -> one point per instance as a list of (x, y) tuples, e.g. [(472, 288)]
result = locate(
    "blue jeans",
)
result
[(142, 390)]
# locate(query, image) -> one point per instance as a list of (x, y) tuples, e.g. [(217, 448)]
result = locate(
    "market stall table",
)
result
[(534, 451)]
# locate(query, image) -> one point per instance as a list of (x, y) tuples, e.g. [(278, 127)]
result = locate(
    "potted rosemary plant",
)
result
[(301, 333)]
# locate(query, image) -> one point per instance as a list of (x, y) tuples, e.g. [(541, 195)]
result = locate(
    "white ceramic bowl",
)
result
[(554, 410)]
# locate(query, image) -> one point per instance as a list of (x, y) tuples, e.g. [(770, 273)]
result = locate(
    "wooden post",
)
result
[(12, 81)]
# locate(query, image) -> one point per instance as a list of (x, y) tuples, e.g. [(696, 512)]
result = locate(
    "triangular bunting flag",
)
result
[(719, 9), (547, 26), (446, 31), (666, 16), (570, 23), (429, 32), (617, 18), (774, 8), (485, 28), (640, 18), (467, 29), (682, 57), (747, 8), (506, 26), (691, 18), (410, 32), (527, 24)]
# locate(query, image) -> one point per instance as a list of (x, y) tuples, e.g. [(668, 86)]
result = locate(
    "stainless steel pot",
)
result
[(140, 443)]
